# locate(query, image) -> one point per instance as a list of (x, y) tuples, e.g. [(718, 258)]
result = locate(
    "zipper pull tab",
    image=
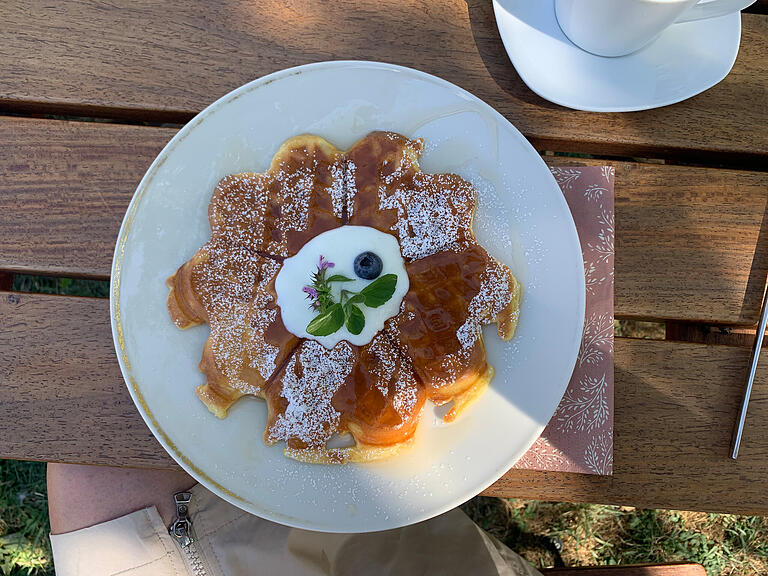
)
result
[(181, 529)]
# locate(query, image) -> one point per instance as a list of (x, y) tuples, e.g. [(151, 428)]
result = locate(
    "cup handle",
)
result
[(713, 8)]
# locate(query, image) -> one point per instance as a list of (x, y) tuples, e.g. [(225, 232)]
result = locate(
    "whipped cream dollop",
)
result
[(340, 246)]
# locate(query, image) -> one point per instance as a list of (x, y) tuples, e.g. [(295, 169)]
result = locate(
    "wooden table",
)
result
[(691, 218)]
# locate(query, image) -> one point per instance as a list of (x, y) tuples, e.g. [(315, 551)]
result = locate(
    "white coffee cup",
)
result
[(619, 27)]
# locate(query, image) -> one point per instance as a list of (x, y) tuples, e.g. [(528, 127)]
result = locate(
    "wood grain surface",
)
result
[(62, 398), (64, 188), (150, 60), (674, 413), (692, 243)]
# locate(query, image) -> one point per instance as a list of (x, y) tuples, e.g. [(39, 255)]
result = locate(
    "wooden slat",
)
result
[(148, 59), (64, 188), (692, 243), (61, 392), (62, 398), (675, 409)]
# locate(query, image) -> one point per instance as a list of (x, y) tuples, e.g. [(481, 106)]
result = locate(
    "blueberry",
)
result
[(368, 265)]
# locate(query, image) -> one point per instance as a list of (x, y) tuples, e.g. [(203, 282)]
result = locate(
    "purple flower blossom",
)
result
[(311, 292), (324, 264)]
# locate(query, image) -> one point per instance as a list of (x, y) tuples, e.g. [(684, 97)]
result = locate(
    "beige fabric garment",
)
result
[(234, 543)]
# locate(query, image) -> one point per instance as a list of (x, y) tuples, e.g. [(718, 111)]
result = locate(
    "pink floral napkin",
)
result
[(579, 437)]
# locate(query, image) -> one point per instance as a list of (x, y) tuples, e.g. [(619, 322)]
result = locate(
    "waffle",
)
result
[(232, 290), (276, 212), (455, 285), (369, 392), (374, 394), (439, 328), (428, 213)]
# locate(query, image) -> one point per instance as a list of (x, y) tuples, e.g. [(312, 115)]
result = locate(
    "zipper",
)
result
[(183, 534)]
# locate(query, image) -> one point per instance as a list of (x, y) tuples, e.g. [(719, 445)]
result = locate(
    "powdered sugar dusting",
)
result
[(392, 365), (297, 187), (338, 188), (468, 333), (226, 342), (258, 210), (432, 216), (237, 209), (495, 295), (309, 415), (351, 187), (406, 164), (406, 397), (262, 354), (233, 284)]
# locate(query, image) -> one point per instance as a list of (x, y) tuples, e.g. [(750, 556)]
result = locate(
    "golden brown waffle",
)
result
[(451, 296), (232, 290), (276, 212), (428, 213), (381, 399), (229, 283), (369, 392), (433, 349), (455, 286)]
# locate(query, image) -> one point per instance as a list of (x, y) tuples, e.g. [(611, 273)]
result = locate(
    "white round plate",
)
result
[(685, 60), (522, 219)]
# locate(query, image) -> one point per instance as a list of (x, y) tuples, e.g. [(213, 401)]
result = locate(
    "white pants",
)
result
[(231, 542)]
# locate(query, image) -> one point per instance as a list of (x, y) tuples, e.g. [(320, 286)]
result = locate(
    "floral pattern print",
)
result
[(579, 437)]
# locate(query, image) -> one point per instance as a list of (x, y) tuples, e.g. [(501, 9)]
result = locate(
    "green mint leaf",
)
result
[(338, 278), (356, 299), (328, 322), (379, 291), (355, 319)]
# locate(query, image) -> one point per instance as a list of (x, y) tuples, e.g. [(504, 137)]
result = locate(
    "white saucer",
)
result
[(685, 60)]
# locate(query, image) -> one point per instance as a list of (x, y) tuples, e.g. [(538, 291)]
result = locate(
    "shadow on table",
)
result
[(643, 395), (758, 273), (491, 50)]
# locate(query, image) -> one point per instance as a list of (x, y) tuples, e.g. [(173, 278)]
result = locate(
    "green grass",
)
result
[(549, 534), (24, 545), (69, 286), (639, 329)]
